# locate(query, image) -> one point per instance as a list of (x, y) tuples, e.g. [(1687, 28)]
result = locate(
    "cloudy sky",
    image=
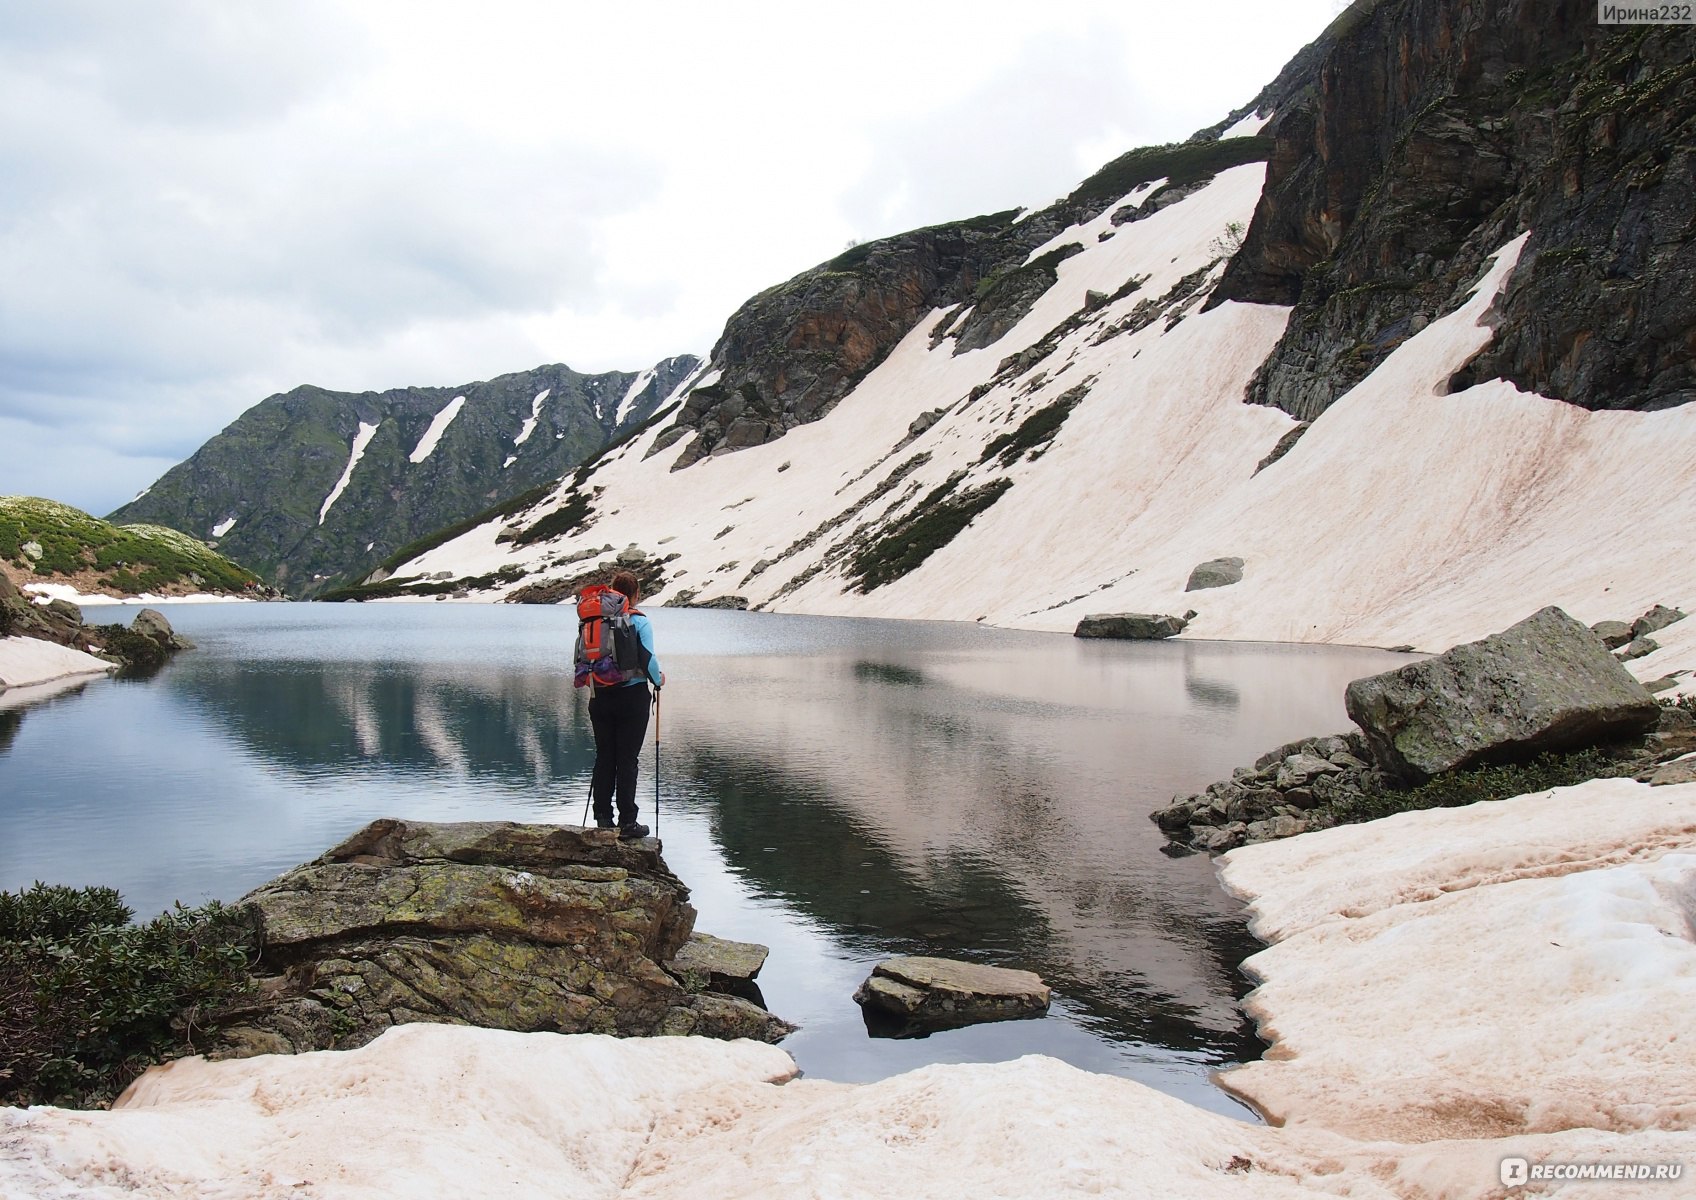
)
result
[(209, 201)]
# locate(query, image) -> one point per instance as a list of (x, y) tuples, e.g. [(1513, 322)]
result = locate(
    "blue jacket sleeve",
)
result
[(645, 632)]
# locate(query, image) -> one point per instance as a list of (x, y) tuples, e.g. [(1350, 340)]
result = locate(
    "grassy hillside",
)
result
[(47, 542)]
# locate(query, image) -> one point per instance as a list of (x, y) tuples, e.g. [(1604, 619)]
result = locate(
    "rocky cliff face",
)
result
[(1431, 133), (297, 489), (789, 354)]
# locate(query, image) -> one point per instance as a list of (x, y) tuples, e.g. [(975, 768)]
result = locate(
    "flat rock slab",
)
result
[(1142, 627), (720, 958), (1547, 683), (943, 993), (494, 924)]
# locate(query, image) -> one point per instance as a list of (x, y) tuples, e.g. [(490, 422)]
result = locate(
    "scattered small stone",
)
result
[(1637, 648), (1614, 634), (1656, 618)]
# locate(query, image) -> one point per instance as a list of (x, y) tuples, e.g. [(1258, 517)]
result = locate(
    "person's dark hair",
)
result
[(625, 583)]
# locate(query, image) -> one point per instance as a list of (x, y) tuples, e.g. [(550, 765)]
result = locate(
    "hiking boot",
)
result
[(606, 824), (632, 831)]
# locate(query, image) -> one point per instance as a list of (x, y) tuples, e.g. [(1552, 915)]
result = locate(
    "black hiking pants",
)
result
[(619, 716)]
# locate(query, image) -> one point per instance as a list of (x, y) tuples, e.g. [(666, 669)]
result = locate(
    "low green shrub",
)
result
[(88, 1001), (1035, 431), (1184, 162), (569, 517), (139, 652), (931, 525), (1499, 782)]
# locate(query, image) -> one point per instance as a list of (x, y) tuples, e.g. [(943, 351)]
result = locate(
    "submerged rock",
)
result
[(925, 994), (1547, 683), (494, 924)]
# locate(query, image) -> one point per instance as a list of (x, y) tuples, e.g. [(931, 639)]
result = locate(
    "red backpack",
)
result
[(609, 650)]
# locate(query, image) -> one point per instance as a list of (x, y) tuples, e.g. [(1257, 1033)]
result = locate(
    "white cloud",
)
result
[(208, 203)]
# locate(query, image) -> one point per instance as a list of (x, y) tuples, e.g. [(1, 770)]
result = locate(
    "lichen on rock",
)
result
[(494, 924)]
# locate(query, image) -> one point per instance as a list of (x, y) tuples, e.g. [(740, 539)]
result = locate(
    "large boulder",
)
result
[(923, 994), (1134, 626), (1215, 572), (495, 924), (1547, 683), (151, 623)]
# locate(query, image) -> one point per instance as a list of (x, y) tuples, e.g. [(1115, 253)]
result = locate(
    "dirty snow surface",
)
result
[(26, 661), (1440, 995)]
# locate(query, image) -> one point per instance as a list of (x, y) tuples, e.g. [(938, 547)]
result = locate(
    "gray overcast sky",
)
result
[(209, 201)]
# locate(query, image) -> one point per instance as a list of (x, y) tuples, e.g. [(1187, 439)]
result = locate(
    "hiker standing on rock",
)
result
[(615, 660)]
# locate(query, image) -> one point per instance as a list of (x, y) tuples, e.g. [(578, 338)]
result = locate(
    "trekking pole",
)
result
[(586, 797), (656, 762)]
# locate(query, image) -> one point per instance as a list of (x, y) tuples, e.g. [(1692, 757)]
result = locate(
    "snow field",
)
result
[(1437, 976), (25, 662), (529, 426), (1403, 515), (361, 440), (433, 435)]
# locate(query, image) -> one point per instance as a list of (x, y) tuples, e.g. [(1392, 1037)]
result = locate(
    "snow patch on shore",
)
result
[(27, 661), (1438, 976), (41, 593)]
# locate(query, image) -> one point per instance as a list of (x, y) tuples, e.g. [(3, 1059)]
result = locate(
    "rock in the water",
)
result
[(943, 993), (1547, 683), (1218, 572), (151, 623), (495, 924), (718, 960), (1135, 626)]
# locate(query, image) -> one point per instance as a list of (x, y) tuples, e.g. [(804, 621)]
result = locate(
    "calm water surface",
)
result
[(839, 790)]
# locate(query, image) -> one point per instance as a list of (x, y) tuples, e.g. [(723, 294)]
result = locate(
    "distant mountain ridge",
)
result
[(312, 488)]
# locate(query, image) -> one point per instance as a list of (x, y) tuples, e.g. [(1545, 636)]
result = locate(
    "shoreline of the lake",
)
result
[(1374, 932), (1380, 937)]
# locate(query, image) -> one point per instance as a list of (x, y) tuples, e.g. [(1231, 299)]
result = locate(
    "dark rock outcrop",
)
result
[(789, 354), (1430, 134), (495, 924), (925, 994), (1132, 626), (1546, 683)]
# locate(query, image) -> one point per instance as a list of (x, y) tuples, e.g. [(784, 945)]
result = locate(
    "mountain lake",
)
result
[(840, 790)]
